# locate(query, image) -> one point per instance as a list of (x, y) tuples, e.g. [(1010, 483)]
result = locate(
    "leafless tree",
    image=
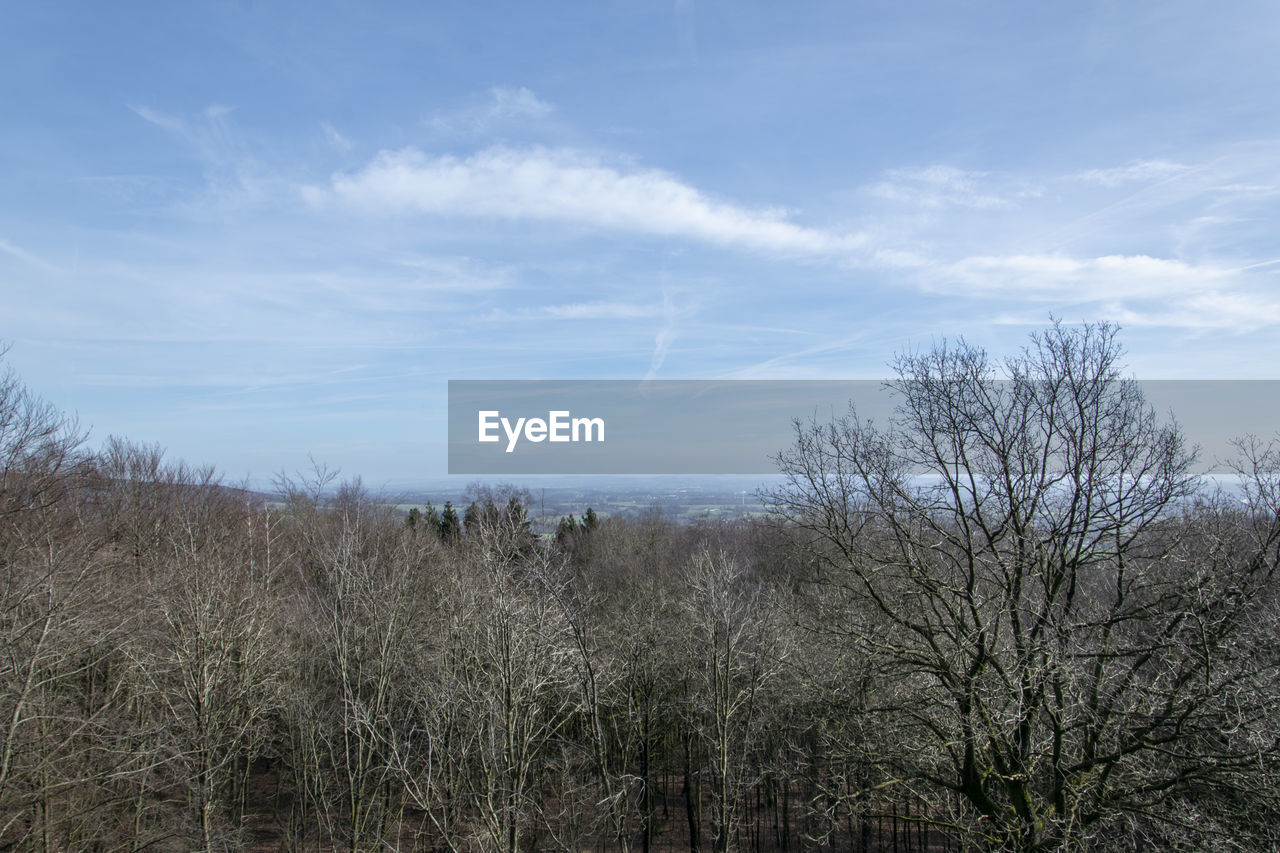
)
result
[(50, 597), (1022, 550), (352, 630), (515, 686), (734, 651), (204, 659)]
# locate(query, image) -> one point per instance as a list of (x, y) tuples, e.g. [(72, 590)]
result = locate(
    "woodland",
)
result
[(1012, 618)]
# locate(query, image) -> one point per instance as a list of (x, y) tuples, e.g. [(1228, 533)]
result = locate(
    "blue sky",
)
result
[(256, 231)]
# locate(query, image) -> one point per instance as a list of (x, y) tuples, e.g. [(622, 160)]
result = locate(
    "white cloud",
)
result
[(666, 335), (940, 175), (502, 107), (940, 186), (1171, 242), (1136, 290), (566, 186), (231, 171), (517, 103), (1214, 309), (1108, 276), (946, 255), (160, 120), (602, 311), (1142, 171), (27, 257), (336, 139)]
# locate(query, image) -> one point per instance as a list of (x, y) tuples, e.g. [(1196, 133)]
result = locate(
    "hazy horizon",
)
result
[(251, 233)]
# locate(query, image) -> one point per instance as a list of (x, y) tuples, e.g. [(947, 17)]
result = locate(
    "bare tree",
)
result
[(353, 633), (513, 683), (1021, 550), (42, 456), (733, 652), (50, 599), (204, 660)]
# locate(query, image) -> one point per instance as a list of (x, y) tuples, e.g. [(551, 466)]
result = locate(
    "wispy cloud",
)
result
[(1131, 289), (510, 103), (1136, 290), (793, 364), (567, 186), (232, 172), (1211, 310), (336, 139), (1084, 279), (941, 186), (1148, 242), (159, 119), (27, 257), (210, 135), (602, 311), (666, 335), (501, 107), (1141, 171)]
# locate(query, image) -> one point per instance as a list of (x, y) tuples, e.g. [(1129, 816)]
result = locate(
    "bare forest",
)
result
[(1012, 618)]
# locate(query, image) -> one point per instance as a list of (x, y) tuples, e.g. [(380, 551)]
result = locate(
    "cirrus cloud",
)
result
[(567, 187)]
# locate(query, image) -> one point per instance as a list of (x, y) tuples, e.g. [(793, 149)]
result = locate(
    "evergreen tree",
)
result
[(450, 527), (471, 518), (517, 517), (432, 520), (566, 530)]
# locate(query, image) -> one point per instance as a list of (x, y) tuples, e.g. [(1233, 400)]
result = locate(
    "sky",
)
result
[(255, 233)]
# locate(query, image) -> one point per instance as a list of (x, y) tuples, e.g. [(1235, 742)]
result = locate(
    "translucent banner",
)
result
[(499, 427)]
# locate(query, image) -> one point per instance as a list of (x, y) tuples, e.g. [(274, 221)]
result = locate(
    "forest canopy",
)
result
[(1010, 618)]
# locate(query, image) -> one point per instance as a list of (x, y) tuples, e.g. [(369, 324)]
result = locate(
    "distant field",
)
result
[(547, 506)]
